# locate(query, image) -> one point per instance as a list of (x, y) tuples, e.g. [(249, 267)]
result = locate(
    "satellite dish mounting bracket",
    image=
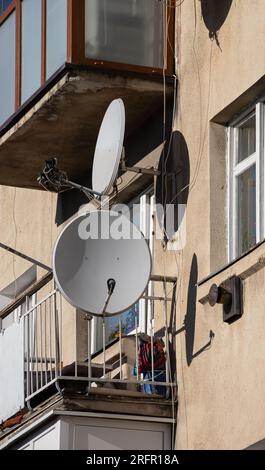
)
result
[(137, 169), (142, 171), (55, 180)]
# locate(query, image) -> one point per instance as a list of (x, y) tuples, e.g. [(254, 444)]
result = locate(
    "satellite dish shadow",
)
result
[(172, 186), (214, 15), (190, 318)]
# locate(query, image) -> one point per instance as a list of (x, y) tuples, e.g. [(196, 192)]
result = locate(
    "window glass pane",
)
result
[(31, 48), (246, 191), (247, 138), (7, 67), (56, 35), (128, 31), (4, 4)]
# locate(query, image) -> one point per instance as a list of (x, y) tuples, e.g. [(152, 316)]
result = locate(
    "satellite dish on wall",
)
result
[(109, 148), (99, 272), (107, 158), (172, 187)]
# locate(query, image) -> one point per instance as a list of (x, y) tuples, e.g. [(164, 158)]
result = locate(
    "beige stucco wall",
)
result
[(221, 391), (27, 220)]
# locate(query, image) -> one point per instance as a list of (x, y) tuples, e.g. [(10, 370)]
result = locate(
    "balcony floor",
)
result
[(65, 121), (109, 402)]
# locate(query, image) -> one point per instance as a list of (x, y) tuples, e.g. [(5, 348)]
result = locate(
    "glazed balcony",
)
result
[(62, 63)]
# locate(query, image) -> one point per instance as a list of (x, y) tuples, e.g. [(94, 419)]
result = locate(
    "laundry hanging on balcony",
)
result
[(145, 352)]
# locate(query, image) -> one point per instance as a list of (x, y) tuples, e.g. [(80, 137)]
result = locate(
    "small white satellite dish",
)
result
[(107, 158), (96, 270), (109, 148)]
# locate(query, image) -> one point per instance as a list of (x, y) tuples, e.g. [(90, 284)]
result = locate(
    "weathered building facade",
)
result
[(221, 87), (199, 65)]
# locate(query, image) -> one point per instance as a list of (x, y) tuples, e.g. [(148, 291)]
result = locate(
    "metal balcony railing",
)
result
[(135, 362), (42, 328)]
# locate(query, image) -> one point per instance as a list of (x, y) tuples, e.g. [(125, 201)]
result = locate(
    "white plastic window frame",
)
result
[(236, 169), (147, 208)]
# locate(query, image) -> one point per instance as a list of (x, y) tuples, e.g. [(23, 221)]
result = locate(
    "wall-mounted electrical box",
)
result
[(230, 294)]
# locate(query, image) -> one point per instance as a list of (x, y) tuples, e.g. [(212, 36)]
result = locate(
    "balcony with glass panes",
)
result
[(62, 63)]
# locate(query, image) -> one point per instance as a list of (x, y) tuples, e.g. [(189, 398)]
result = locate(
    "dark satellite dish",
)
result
[(172, 186)]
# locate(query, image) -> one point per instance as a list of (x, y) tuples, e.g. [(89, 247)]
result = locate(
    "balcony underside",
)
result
[(64, 122), (109, 404)]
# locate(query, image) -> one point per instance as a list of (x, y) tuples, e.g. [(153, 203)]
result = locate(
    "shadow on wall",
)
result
[(214, 14), (69, 202), (173, 183), (190, 318)]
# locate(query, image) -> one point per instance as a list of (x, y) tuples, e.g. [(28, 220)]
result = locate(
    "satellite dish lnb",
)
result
[(109, 146), (99, 271)]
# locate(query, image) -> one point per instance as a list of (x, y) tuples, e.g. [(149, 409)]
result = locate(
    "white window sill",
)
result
[(245, 266)]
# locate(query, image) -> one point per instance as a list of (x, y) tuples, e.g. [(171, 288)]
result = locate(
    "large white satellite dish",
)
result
[(101, 275), (109, 148)]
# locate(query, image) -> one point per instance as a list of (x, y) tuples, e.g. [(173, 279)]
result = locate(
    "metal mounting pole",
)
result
[(85, 190)]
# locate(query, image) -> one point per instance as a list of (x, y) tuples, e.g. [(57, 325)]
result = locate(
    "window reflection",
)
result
[(246, 210), (4, 4), (8, 67), (247, 138), (128, 31)]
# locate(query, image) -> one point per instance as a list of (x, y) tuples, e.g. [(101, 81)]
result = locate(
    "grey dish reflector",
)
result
[(90, 252), (109, 148)]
